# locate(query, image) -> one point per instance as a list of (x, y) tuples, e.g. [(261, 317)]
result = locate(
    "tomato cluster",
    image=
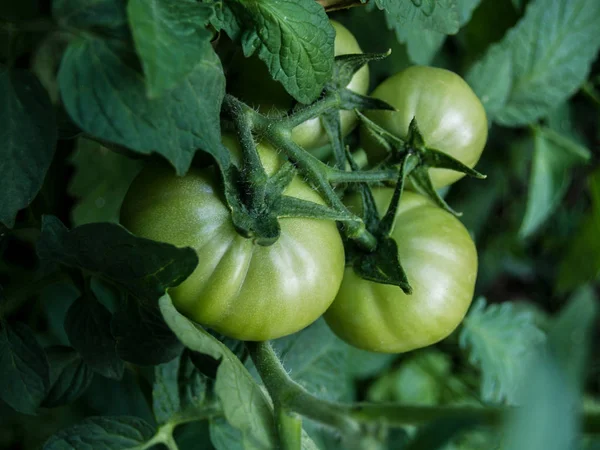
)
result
[(252, 292)]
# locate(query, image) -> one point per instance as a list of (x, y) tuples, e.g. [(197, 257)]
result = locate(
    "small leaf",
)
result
[(146, 268), (69, 376), (245, 405), (192, 384), (28, 136), (499, 340), (552, 48), (553, 157), (165, 390), (295, 40), (110, 433), (88, 327), (171, 38), (141, 334), (24, 369), (316, 359)]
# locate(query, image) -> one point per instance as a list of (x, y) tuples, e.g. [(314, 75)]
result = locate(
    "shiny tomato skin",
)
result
[(450, 116), (252, 83), (440, 261), (240, 289)]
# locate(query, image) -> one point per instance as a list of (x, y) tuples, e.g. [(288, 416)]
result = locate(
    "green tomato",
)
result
[(440, 261), (240, 289), (251, 82), (449, 115)]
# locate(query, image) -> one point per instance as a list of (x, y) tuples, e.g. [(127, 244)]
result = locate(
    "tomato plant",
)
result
[(449, 115), (177, 272), (251, 82), (240, 289), (440, 260)]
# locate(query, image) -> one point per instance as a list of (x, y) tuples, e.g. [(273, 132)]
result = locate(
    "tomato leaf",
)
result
[(316, 358), (103, 17), (24, 368), (28, 137), (142, 337), (171, 38), (500, 339), (146, 268), (294, 39), (441, 16), (193, 384), (491, 79), (245, 405), (115, 433), (550, 60), (70, 376), (104, 94), (541, 423), (582, 259), (554, 155), (423, 44), (88, 327), (165, 390), (100, 182)]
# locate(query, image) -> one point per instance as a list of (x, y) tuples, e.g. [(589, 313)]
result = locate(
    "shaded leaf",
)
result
[(142, 335), (100, 182), (69, 376), (28, 136), (88, 327), (24, 369), (165, 390), (106, 433), (146, 268)]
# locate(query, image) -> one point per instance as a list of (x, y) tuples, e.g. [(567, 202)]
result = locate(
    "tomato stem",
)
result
[(289, 395)]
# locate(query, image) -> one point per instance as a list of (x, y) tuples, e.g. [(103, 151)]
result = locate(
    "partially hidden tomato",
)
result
[(240, 289), (449, 115), (250, 80), (440, 261)]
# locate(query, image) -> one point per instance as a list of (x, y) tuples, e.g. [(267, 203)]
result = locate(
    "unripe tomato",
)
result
[(440, 261), (449, 115), (240, 289), (251, 82)]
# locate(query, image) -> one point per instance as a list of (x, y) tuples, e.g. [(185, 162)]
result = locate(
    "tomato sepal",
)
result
[(383, 265), (345, 66), (421, 180)]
